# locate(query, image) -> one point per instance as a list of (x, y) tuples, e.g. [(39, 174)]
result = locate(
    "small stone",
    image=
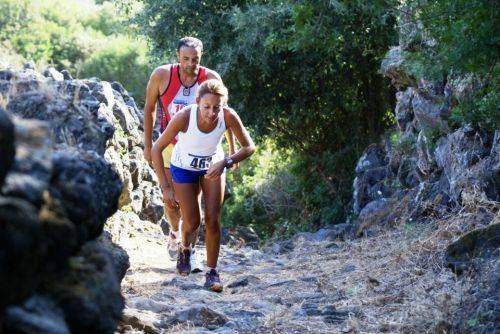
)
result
[(199, 315), (243, 281), (348, 268)]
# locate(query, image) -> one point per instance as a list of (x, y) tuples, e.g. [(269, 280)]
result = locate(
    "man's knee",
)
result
[(171, 212)]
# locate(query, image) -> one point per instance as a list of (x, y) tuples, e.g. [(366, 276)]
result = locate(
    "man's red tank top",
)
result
[(177, 96)]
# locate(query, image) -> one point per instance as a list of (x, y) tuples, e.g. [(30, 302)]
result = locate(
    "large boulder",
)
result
[(61, 177), (393, 67), (477, 244), (7, 149), (469, 158)]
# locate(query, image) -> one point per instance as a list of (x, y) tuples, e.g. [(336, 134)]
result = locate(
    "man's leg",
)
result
[(173, 214), (187, 194)]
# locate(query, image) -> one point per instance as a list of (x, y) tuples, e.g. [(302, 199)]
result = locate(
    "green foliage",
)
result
[(482, 107), (305, 73), (85, 38), (120, 61), (278, 192), (460, 37)]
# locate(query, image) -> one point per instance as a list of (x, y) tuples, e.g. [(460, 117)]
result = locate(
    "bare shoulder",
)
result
[(161, 72), (211, 74), (231, 116)]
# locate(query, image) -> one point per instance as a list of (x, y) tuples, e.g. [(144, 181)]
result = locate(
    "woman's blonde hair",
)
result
[(213, 86)]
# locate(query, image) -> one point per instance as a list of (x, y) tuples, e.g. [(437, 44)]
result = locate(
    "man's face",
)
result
[(189, 58)]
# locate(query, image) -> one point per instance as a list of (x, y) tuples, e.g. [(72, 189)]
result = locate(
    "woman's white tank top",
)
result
[(196, 150)]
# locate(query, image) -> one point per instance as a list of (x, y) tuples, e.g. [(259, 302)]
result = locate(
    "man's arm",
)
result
[(152, 93)]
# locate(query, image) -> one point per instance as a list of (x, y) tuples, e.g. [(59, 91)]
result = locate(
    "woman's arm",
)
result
[(233, 122)]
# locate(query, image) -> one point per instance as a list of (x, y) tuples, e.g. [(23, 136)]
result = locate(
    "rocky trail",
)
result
[(316, 283), (421, 254)]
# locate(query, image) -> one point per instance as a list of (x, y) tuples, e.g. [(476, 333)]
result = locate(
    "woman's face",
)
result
[(210, 105)]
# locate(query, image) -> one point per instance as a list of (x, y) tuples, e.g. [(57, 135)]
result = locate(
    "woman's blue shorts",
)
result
[(181, 175)]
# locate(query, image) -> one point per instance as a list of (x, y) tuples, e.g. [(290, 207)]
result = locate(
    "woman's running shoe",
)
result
[(212, 281)]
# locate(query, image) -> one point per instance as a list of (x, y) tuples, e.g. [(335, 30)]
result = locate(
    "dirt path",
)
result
[(387, 283)]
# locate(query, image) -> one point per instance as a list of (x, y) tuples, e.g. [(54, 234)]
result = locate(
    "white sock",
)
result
[(210, 268)]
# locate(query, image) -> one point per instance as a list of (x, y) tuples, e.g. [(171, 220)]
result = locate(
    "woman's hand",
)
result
[(169, 197), (216, 170)]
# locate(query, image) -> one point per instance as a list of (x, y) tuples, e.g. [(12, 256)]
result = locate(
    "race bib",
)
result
[(177, 105), (200, 162)]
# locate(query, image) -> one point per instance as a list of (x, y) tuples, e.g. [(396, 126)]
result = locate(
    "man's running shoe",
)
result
[(183, 262), (212, 281), (196, 263), (172, 246)]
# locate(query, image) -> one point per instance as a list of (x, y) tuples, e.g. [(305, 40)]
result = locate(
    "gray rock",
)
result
[(7, 148), (403, 111), (243, 281), (347, 269), (373, 157), (29, 65), (335, 316), (21, 250), (240, 236), (373, 216), (464, 157), (66, 75), (32, 170), (38, 315), (428, 113), (425, 162), (89, 294), (75, 178), (199, 315), (54, 74), (478, 243), (392, 66), (182, 284)]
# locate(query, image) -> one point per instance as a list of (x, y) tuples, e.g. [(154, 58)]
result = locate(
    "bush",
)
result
[(83, 37), (461, 37), (279, 193), (121, 60)]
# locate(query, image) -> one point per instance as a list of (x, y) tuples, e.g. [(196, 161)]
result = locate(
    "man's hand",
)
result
[(169, 197), (147, 155)]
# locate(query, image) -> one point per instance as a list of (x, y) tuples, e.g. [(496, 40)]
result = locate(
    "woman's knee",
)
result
[(191, 225), (212, 223)]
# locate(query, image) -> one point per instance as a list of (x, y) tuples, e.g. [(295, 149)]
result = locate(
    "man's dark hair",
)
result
[(191, 42)]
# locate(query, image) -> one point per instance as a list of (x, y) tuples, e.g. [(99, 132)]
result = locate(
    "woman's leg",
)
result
[(187, 194), (213, 194)]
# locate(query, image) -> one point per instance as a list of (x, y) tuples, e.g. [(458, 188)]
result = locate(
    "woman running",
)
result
[(198, 163)]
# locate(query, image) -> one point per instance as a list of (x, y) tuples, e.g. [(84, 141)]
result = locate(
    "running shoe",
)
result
[(183, 262), (196, 263), (172, 246), (212, 281)]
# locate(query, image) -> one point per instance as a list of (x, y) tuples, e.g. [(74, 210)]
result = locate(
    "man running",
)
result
[(173, 86)]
